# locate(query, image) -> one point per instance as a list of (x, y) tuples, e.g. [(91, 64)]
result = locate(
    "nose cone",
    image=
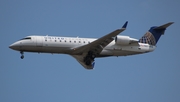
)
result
[(15, 46)]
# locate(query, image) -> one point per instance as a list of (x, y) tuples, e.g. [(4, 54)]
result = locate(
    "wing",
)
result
[(98, 45), (85, 54), (80, 59)]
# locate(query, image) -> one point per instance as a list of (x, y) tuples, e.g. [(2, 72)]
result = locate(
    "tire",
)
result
[(88, 62), (22, 57)]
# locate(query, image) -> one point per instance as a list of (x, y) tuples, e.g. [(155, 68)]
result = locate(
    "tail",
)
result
[(154, 33)]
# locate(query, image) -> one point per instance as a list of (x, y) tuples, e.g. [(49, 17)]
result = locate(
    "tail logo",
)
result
[(154, 33), (148, 38)]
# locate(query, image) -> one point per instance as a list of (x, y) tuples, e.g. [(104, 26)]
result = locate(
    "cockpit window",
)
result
[(26, 38)]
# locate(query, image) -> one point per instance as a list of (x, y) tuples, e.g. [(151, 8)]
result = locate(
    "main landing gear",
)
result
[(89, 58), (22, 54)]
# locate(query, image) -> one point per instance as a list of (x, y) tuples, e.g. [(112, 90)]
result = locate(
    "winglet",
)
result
[(125, 24)]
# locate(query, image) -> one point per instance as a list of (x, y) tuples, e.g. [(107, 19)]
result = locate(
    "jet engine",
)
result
[(124, 40)]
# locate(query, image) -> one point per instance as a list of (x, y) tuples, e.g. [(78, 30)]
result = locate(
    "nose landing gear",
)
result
[(22, 54)]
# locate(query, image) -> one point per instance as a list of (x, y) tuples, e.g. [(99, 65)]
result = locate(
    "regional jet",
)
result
[(85, 50)]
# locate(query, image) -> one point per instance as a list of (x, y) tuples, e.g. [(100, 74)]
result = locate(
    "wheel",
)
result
[(90, 53), (88, 62), (93, 56), (22, 57)]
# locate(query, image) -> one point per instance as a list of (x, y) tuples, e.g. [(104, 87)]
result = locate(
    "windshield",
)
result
[(26, 38)]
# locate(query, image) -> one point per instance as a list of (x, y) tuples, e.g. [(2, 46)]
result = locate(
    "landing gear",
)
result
[(88, 62), (22, 54), (89, 58)]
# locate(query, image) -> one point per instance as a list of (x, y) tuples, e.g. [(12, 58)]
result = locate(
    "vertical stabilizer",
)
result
[(152, 36)]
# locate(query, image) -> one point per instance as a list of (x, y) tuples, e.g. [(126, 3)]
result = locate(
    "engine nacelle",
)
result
[(123, 40)]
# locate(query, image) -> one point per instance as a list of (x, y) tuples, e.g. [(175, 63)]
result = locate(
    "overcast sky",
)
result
[(151, 77)]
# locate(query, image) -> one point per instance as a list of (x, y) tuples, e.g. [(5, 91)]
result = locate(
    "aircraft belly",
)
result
[(125, 53), (65, 50), (106, 53), (29, 48)]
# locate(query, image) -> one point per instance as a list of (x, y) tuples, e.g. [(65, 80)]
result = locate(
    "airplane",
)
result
[(85, 50)]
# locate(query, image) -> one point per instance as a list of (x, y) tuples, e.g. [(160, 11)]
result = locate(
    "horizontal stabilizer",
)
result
[(164, 26)]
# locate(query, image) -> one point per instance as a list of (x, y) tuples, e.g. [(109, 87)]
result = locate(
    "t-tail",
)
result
[(152, 36)]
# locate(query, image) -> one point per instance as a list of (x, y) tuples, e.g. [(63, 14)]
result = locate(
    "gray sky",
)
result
[(151, 77)]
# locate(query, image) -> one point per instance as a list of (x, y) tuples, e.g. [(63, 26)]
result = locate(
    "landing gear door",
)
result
[(39, 41)]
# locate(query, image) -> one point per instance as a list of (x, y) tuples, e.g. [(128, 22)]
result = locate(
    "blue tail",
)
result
[(154, 33)]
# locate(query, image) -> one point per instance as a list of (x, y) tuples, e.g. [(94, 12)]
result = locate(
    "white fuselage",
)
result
[(85, 50), (66, 45)]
